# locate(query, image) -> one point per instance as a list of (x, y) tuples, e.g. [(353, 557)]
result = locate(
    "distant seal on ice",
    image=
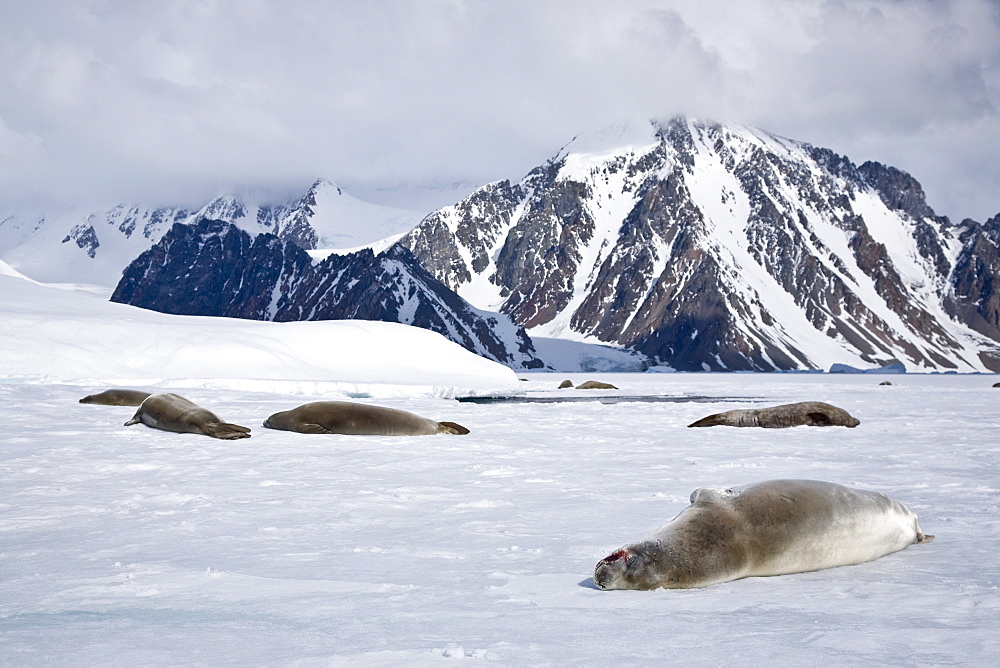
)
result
[(116, 397), (172, 412), (566, 383), (885, 382), (595, 385), (809, 413), (996, 384), (769, 528), (345, 417)]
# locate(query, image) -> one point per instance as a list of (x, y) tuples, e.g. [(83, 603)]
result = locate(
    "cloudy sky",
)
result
[(174, 101)]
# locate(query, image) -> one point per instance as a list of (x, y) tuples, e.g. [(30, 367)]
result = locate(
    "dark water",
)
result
[(604, 399)]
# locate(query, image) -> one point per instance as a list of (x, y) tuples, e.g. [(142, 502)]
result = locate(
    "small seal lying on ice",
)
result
[(172, 412), (595, 385), (769, 528), (809, 413), (116, 397), (565, 384), (345, 417)]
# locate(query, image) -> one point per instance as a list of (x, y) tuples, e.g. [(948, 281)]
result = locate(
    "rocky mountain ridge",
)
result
[(711, 247), (96, 247), (214, 268)]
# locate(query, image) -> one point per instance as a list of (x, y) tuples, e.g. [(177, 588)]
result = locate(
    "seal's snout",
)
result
[(610, 568)]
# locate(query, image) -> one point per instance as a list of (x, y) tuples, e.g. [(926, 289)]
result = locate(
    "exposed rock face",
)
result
[(723, 248), (975, 281), (214, 268)]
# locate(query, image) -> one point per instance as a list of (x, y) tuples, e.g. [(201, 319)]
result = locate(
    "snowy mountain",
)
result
[(724, 248), (214, 268), (96, 247)]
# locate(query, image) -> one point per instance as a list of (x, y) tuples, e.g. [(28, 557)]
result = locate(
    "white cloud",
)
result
[(176, 100)]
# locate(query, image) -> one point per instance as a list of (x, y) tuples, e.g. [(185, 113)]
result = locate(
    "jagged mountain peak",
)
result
[(711, 246)]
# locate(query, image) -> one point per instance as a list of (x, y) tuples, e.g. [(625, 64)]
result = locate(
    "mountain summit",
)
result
[(711, 247)]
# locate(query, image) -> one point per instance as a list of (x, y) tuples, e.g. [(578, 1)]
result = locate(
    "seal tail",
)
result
[(452, 428), (226, 431), (923, 538), (709, 421)]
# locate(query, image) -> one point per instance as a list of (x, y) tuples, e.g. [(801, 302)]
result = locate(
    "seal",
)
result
[(769, 528), (595, 385), (345, 417), (565, 384), (808, 413), (172, 412), (116, 397)]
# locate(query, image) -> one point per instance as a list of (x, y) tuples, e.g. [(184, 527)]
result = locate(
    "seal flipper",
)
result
[(708, 421), (819, 419), (451, 428), (226, 431), (312, 428), (923, 538), (133, 421)]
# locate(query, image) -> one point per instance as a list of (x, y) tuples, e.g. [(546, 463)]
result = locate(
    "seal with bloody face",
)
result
[(769, 528)]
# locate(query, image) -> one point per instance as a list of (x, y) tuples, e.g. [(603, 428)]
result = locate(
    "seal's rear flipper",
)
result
[(452, 428), (710, 421), (133, 421), (923, 538), (226, 431)]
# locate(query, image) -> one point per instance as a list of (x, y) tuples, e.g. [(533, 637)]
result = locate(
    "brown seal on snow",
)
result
[(172, 412), (769, 528), (595, 385), (566, 383), (116, 397), (808, 413), (345, 417)]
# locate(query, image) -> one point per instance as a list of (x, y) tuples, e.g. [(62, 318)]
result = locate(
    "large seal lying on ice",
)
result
[(116, 397), (809, 413), (345, 417), (172, 412), (595, 385), (770, 528)]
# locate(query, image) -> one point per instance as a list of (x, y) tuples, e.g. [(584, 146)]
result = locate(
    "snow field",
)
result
[(141, 547)]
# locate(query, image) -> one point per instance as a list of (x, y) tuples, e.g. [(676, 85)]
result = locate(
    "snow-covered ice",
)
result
[(132, 546)]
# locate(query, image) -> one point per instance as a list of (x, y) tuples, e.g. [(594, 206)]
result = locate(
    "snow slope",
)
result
[(95, 339), (132, 546)]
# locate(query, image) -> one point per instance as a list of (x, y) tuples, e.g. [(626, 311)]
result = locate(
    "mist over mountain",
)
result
[(96, 247)]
